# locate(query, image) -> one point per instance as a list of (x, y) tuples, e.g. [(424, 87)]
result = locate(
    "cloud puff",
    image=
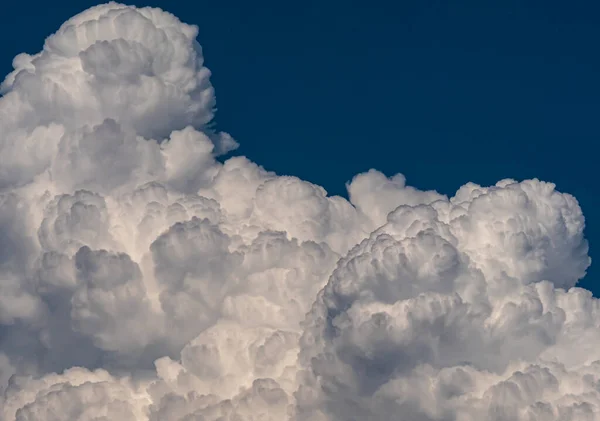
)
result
[(142, 279)]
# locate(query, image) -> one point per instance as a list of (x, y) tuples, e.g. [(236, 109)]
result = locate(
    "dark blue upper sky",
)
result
[(444, 92)]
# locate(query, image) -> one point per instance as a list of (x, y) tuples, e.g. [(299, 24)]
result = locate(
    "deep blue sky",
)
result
[(445, 94)]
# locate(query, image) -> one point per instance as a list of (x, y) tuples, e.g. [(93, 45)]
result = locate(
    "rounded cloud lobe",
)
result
[(143, 279)]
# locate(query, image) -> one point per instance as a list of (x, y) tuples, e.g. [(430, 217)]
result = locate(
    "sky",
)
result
[(174, 246), (443, 93)]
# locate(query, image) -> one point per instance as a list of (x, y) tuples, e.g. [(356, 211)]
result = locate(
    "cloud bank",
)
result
[(142, 279)]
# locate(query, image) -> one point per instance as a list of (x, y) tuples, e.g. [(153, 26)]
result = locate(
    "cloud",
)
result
[(143, 279)]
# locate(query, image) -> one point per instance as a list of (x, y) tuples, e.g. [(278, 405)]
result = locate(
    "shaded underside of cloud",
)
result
[(143, 279)]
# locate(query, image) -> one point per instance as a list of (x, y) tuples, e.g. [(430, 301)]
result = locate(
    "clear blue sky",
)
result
[(443, 93)]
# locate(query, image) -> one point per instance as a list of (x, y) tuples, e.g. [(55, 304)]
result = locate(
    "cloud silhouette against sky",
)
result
[(143, 279)]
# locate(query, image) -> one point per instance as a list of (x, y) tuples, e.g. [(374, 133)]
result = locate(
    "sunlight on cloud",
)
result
[(142, 279)]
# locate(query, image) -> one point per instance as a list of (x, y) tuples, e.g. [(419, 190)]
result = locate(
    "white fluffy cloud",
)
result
[(142, 279)]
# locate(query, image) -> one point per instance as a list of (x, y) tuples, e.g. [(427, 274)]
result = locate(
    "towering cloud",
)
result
[(142, 279)]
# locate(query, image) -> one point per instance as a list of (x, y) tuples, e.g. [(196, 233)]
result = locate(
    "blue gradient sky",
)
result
[(442, 93)]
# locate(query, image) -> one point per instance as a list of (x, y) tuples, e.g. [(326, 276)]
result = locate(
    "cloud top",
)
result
[(142, 279)]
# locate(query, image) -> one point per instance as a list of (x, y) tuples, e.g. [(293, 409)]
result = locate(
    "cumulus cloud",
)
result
[(143, 279)]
